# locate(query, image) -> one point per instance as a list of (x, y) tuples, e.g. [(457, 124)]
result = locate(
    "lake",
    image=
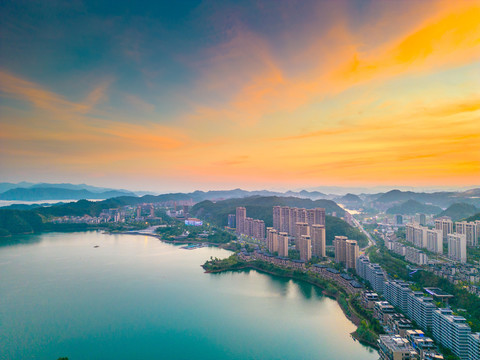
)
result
[(135, 297)]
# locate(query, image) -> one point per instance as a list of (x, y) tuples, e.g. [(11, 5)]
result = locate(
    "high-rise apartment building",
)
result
[(416, 234), (248, 226), (469, 229), (422, 219), (340, 243), (301, 228), (305, 247), (231, 221), (351, 254), (457, 247), (258, 229), (241, 215), (286, 218), (317, 235), (282, 244), (272, 240), (277, 220), (435, 241), (452, 332), (319, 216), (446, 225)]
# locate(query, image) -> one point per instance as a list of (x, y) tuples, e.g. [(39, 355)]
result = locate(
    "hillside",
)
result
[(335, 226), (442, 199), (261, 208), (459, 211), (350, 198), (474, 217), (14, 222), (54, 193), (258, 207), (412, 207)]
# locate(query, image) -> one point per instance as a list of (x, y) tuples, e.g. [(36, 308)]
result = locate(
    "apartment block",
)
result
[(469, 229), (317, 235), (394, 347), (351, 253), (452, 332), (305, 245), (457, 247), (446, 225), (282, 244), (435, 241)]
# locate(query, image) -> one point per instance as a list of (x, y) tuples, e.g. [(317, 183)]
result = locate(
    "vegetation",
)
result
[(397, 268), (412, 207), (459, 211), (258, 207), (14, 222), (204, 233), (58, 193), (474, 217), (230, 263), (335, 226)]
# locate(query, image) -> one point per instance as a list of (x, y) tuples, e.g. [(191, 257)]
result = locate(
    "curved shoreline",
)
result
[(352, 316)]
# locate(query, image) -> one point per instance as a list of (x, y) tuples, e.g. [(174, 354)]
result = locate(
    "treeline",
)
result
[(261, 207), (14, 222), (258, 207), (335, 226), (462, 298)]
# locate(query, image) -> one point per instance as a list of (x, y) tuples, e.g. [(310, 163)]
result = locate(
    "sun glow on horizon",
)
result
[(353, 94)]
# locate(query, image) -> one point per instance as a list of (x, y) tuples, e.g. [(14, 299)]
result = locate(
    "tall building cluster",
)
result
[(277, 242), (448, 329), (466, 234), (306, 225), (285, 218), (248, 226), (346, 251)]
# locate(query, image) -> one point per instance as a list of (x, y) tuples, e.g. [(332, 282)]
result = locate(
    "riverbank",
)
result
[(363, 333)]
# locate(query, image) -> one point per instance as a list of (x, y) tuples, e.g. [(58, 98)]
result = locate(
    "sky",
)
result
[(185, 95)]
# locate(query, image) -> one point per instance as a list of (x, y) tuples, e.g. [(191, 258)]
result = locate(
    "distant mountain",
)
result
[(471, 192), (442, 199), (259, 207), (459, 211), (55, 193), (349, 199), (412, 207), (94, 189), (7, 186)]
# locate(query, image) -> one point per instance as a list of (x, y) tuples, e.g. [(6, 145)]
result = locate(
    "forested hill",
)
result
[(459, 211), (412, 207), (52, 193), (258, 207)]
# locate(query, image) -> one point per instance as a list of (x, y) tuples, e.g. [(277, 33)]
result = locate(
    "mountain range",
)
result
[(57, 193)]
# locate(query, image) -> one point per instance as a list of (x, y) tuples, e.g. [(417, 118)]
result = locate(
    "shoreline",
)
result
[(352, 316), (169, 241)]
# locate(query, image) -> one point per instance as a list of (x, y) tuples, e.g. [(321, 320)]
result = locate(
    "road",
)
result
[(371, 242)]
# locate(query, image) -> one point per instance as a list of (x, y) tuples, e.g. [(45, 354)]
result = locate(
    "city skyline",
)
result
[(205, 95)]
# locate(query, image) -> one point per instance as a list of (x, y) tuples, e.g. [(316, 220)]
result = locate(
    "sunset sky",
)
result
[(185, 95)]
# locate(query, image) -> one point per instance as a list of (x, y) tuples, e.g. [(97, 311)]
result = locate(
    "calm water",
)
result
[(135, 297)]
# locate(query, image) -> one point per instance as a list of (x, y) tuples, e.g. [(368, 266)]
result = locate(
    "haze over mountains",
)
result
[(458, 204)]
